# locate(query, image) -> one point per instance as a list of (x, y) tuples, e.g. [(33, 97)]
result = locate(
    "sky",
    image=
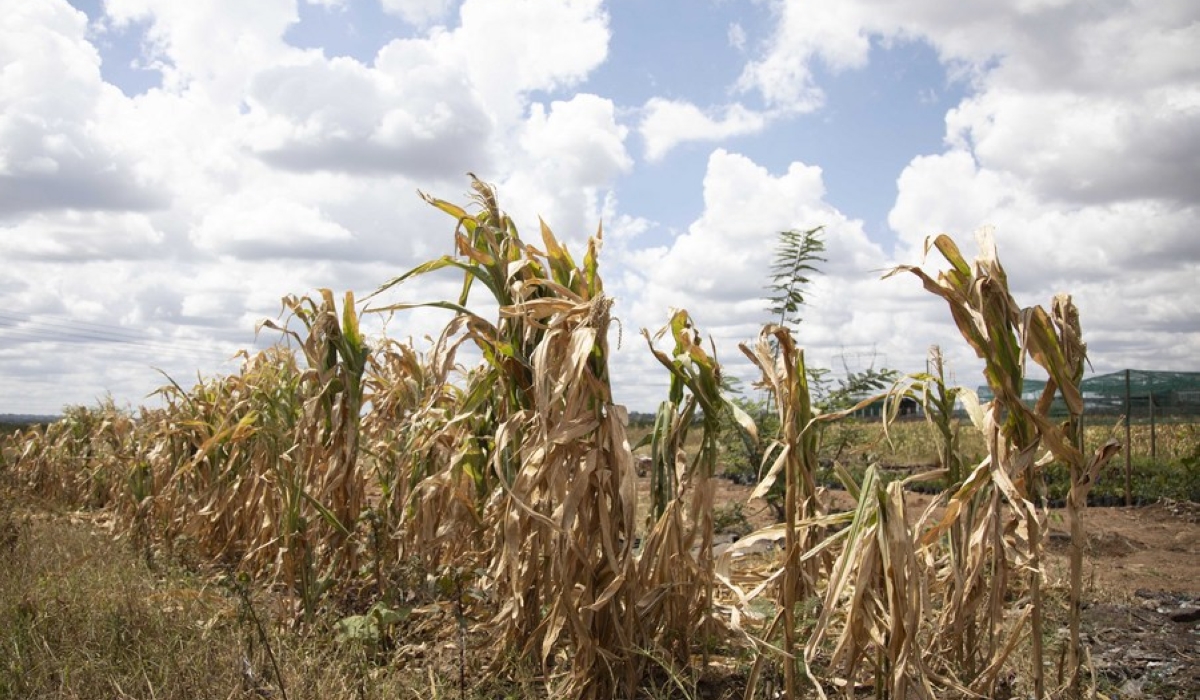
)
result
[(170, 171)]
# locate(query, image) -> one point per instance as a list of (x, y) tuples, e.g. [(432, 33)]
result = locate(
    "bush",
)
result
[(1152, 481), (731, 518)]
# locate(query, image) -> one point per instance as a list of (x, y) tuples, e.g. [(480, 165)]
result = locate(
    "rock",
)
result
[(644, 464), (1186, 613), (1132, 688), (1061, 539)]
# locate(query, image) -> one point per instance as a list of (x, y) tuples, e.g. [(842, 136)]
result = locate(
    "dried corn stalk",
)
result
[(676, 566), (1008, 537), (557, 490)]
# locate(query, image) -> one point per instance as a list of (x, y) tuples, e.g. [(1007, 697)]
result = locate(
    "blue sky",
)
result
[(680, 49), (168, 171)]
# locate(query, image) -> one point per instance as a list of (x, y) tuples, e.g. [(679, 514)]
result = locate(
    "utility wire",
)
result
[(70, 323), (70, 331), (97, 330), (21, 330), (14, 337), (108, 344), (27, 336)]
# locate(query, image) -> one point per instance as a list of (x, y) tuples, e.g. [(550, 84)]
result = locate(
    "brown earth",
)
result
[(1130, 549), (1141, 620)]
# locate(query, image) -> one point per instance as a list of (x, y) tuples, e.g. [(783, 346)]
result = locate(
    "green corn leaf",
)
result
[(949, 250), (421, 269), (326, 514)]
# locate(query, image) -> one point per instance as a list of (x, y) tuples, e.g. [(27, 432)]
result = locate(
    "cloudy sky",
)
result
[(169, 170)]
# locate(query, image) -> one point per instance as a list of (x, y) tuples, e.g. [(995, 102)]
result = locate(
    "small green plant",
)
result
[(740, 452), (1191, 474), (731, 518), (795, 259), (457, 585), (372, 630), (1152, 480)]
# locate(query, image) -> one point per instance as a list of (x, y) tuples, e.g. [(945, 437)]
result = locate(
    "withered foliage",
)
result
[(325, 466)]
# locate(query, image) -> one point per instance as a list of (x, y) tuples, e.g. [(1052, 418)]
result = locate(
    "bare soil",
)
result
[(1141, 619), (1142, 623)]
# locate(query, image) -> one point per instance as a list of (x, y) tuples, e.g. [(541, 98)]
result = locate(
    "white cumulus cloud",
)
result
[(667, 123), (409, 114), (59, 148), (718, 270), (274, 229), (566, 160), (80, 236), (1079, 141)]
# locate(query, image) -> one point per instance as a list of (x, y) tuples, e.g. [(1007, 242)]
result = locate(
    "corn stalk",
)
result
[(557, 494), (328, 435), (1069, 353), (930, 389), (1003, 335), (793, 454), (425, 458), (676, 564)]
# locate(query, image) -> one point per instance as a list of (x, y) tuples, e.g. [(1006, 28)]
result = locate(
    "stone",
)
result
[(1186, 613)]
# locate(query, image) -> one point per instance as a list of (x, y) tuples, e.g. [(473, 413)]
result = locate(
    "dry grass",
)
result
[(83, 616)]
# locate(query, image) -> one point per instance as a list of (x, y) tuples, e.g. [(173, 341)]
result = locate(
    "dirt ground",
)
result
[(1142, 621), (1130, 549), (1142, 589)]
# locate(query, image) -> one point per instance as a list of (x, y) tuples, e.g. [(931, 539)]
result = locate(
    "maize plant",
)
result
[(1069, 354), (79, 459), (327, 437), (216, 460), (939, 402), (793, 455), (676, 565), (879, 587), (557, 481), (1007, 539), (412, 433)]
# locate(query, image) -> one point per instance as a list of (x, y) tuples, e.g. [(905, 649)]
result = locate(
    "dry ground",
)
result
[(1142, 620), (1142, 595)]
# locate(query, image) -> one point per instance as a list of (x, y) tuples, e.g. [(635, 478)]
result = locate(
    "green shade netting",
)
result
[(1169, 389)]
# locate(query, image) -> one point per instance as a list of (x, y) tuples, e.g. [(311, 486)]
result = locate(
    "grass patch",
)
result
[(82, 616)]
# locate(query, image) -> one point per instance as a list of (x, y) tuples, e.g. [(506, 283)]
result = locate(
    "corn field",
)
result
[(331, 464)]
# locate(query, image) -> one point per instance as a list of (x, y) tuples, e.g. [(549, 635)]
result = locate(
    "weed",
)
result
[(731, 518)]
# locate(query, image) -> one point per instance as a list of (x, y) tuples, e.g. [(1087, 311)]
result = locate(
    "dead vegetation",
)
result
[(499, 503)]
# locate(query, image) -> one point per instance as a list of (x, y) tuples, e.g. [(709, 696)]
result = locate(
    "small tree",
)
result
[(796, 256)]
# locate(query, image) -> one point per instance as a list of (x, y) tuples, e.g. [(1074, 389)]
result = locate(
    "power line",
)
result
[(98, 331), (70, 323), (70, 331), (23, 336)]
